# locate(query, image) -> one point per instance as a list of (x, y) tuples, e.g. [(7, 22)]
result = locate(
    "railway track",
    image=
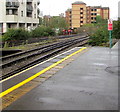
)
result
[(43, 53)]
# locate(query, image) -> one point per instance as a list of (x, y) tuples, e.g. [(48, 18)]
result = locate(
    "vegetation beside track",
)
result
[(27, 46), (99, 34)]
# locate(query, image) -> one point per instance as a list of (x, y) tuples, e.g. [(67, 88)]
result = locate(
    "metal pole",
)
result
[(110, 38)]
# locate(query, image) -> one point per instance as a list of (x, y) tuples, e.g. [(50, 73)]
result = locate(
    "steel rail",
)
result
[(38, 52), (44, 57), (42, 47)]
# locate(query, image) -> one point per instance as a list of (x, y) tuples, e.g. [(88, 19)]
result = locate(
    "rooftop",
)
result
[(105, 7), (99, 7), (79, 2), (69, 10)]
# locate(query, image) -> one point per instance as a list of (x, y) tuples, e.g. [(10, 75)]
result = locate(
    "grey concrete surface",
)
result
[(85, 84)]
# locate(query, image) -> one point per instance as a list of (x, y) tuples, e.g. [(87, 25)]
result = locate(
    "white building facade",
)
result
[(18, 14)]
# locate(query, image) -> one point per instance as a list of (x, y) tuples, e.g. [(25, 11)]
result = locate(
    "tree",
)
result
[(99, 20), (58, 22), (40, 21), (100, 37), (116, 29), (55, 22), (43, 31), (16, 34)]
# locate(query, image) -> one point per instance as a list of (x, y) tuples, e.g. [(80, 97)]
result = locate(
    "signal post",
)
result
[(110, 28)]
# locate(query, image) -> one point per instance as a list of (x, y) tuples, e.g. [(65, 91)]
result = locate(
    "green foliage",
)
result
[(16, 34), (100, 37), (116, 29), (40, 21), (99, 34), (89, 25), (21, 34), (99, 20), (55, 22), (43, 31), (58, 22)]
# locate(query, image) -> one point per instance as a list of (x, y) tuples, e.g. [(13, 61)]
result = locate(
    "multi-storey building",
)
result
[(81, 14), (69, 17), (18, 14)]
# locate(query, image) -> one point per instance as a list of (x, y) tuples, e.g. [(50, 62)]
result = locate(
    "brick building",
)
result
[(81, 14)]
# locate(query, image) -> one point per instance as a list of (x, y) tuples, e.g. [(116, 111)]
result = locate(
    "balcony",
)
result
[(29, 8), (11, 18), (12, 4), (29, 0)]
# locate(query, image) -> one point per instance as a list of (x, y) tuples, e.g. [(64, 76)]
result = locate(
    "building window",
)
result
[(93, 18), (11, 12), (95, 13), (81, 12), (1, 28), (81, 17), (81, 21), (93, 22), (81, 8), (7, 12), (92, 14), (35, 6), (34, 15), (95, 9), (22, 13)]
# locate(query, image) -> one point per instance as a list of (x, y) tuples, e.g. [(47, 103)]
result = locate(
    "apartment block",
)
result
[(18, 14), (81, 14), (69, 17)]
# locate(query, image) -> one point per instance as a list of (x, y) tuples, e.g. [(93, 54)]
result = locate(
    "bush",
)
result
[(43, 32), (100, 37), (16, 34), (21, 34), (116, 29), (50, 31)]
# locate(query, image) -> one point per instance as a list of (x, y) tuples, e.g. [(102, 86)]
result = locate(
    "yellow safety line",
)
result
[(37, 74)]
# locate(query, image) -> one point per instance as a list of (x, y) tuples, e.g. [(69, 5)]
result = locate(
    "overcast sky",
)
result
[(55, 7)]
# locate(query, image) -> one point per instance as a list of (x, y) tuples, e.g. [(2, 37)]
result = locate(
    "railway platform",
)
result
[(89, 81)]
